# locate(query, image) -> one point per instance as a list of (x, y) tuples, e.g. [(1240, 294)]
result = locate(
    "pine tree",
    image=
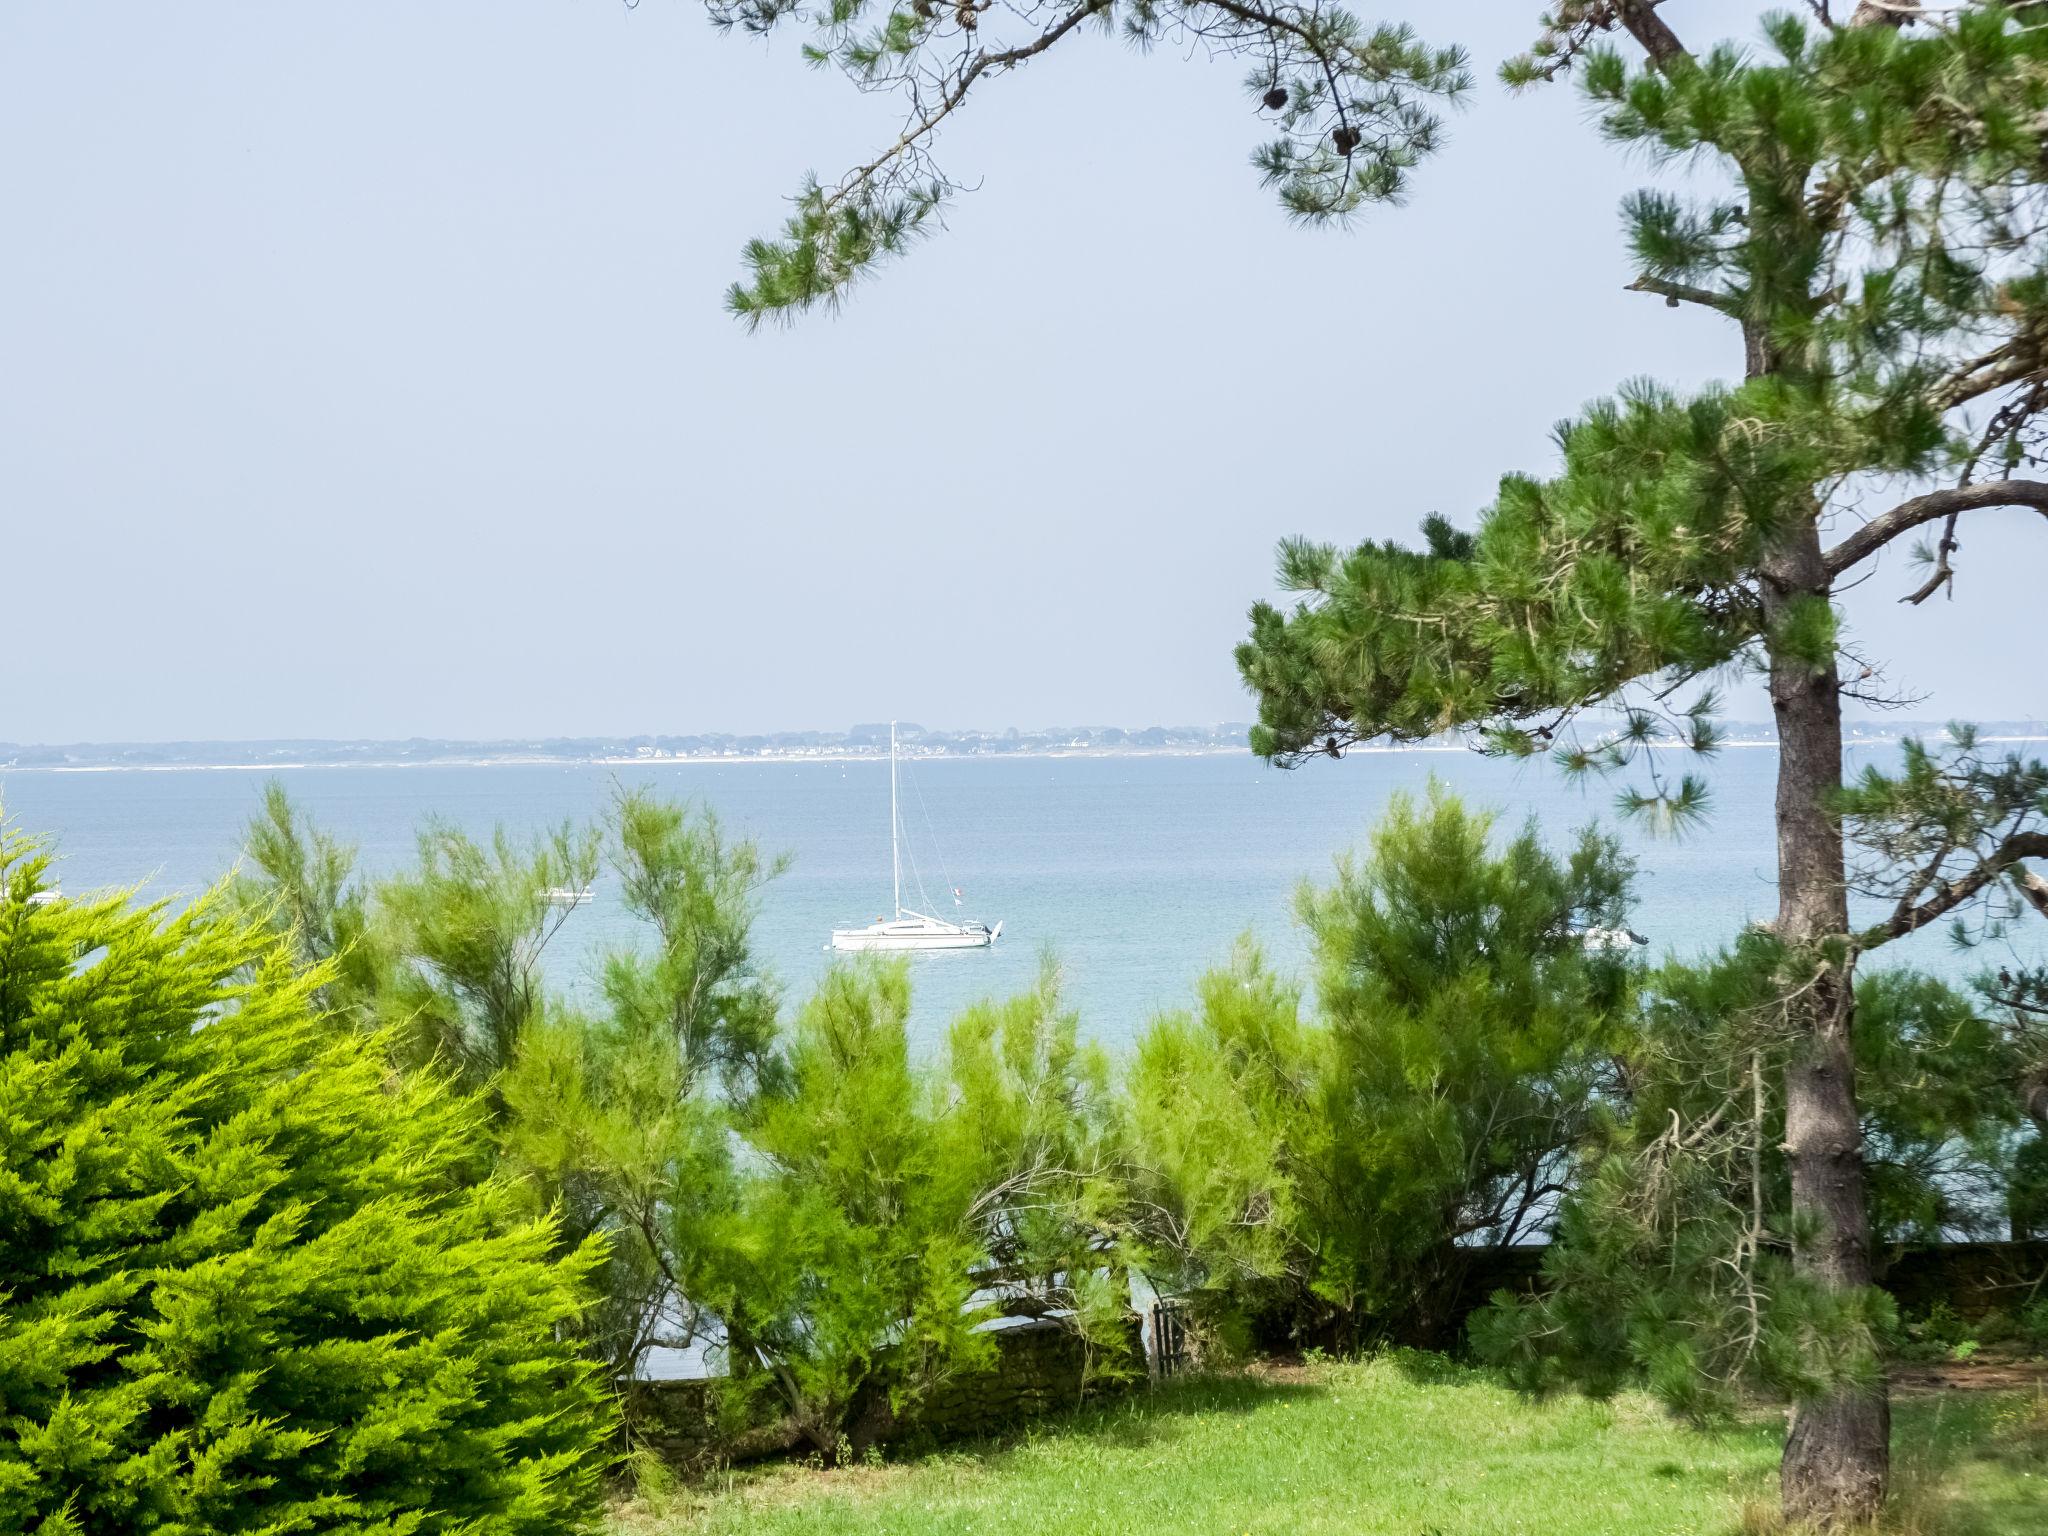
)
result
[(249, 1282), (1876, 253), (1670, 1260)]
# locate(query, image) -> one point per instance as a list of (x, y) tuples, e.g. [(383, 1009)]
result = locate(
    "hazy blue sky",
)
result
[(363, 373)]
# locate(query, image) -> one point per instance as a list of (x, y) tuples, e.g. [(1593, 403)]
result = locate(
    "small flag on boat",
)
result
[(956, 896)]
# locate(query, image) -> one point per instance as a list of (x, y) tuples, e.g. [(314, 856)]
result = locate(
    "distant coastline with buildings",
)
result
[(855, 743)]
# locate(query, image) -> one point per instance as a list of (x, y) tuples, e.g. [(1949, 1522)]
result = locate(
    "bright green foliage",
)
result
[(304, 890), (468, 925), (1473, 1024), (1351, 108), (1329, 1170), (859, 1283), (1671, 1258), (1030, 1113), (888, 1213), (444, 957), (622, 1116), (697, 891), (1234, 1151), (837, 1223), (249, 1281)]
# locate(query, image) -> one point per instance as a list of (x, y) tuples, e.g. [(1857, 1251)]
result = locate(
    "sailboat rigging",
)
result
[(910, 929)]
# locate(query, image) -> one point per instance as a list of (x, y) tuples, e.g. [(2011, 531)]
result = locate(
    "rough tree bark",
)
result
[(1837, 1456)]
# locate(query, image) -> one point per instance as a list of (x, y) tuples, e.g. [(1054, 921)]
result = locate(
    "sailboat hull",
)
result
[(914, 933)]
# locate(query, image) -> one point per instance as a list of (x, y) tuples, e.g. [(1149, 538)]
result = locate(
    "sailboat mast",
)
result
[(895, 824)]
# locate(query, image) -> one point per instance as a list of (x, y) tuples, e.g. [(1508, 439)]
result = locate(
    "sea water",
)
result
[(1135, 873)]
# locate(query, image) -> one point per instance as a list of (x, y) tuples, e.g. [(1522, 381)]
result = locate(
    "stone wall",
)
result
[(1973, 1278), (1039, 1368)]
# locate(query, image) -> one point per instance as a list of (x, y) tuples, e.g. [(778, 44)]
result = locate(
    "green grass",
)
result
[(1970, 1462), (1405, 1445)]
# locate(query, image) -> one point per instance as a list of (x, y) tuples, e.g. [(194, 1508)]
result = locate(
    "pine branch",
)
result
[(1910, 916), (1944, 573), (2015, 361), (1641, 21), (926, 123), (1881, 530), (1572, 29), (1675, 294)]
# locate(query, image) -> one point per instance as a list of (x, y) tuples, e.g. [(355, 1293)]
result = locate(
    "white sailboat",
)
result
[(908, 929)]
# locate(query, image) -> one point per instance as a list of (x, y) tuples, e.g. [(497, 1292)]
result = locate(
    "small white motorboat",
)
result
[(909, 929)]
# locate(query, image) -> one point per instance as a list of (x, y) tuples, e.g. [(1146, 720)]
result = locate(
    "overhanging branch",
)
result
[(926, 123), (1675, 294), (2033, 889), (2012, 362), (1908, 515), (1910, 916)]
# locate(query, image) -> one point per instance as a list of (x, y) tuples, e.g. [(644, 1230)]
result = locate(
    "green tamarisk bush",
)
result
[(890, 1212), (1327, 1177), (251, 1280)]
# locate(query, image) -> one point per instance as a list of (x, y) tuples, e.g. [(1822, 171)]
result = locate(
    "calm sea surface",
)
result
[(1136, 872)]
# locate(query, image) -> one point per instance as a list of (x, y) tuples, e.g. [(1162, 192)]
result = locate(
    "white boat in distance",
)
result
[(908, 929)]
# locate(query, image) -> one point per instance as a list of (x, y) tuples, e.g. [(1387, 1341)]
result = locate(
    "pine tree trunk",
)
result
[(1837, 1456)]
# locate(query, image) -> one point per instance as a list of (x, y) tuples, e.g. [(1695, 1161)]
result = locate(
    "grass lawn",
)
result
[(1406, 1445)]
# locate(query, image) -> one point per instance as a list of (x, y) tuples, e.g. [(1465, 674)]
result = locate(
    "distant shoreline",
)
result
[(746, 760), (707, 761), (823, 758)]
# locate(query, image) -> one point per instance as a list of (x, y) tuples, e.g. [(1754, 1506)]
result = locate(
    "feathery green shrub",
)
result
[(1323, 1178)]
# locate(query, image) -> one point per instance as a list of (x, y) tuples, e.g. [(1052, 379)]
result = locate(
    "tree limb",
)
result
[(1675, 294), (1881, 530), (2033, 889), (1944, 573), (1910, 915), (926, 123), (2012, 362), (1640, 19)]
